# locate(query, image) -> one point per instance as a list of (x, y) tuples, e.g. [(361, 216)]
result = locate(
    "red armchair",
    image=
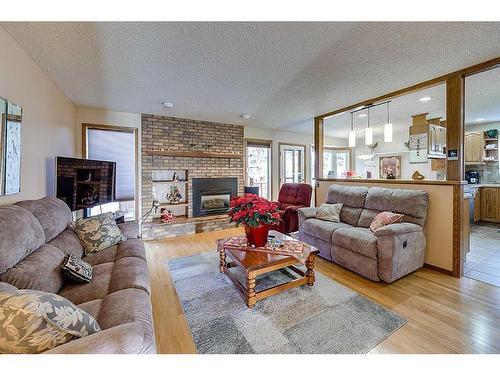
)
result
[(291, 198)]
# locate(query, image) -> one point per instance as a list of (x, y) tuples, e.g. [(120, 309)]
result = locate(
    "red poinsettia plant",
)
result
[(252, 210)]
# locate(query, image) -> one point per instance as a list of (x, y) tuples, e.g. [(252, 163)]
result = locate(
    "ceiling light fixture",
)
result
[(388, 126), (245, 116), (479, 119), (362, 115), (352, 133), (425, 99), (368, 131), (168, 104)]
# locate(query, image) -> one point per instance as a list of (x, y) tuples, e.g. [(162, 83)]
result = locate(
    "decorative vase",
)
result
[(257, 236)]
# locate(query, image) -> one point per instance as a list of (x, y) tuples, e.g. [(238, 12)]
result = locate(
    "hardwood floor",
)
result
[(445, 314)]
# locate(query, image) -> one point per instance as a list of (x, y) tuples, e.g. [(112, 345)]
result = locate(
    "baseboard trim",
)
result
[(436, 268)]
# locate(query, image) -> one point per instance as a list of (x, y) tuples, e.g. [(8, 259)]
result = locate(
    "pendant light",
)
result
[(368, 131), (352, 133), (388, 126)]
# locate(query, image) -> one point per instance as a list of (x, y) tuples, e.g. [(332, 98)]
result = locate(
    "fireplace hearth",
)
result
[(211, 196)]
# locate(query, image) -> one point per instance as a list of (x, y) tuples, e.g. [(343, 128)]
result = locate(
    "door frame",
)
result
[(279, 159)]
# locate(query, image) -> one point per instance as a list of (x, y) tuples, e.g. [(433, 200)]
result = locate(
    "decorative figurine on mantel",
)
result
[(167, 217), (174, 196), (175, 177)]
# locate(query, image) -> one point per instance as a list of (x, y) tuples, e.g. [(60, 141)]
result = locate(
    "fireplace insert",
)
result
[(211, 196)]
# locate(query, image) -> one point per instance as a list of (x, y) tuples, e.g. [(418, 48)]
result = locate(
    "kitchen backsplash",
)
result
[(488, 174)]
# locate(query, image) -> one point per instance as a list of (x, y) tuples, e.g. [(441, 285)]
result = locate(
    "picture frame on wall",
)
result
[(390, 167)]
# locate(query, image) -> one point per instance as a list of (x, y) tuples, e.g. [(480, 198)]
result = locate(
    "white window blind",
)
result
[(119, 147)]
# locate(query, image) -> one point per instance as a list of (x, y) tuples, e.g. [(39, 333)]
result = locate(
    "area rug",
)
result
[(325, 318)]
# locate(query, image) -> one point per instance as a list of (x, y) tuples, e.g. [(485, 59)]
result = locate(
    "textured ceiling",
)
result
[(282, 74)]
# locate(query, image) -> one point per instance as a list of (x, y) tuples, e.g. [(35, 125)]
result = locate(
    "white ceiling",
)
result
[(281, 73)]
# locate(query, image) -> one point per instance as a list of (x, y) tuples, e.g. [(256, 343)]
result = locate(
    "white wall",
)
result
[(48, 127), (104, 117)]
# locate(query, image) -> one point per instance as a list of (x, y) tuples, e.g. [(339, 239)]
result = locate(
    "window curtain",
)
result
[(117, 146)]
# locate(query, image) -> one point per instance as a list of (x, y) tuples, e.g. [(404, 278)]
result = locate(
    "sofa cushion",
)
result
[(77, 270), (129, 272), (98, 232), (53, 215), (353, 196), (385, 218), (322, 229), (358, 240), (33, 321), (40, 270), (68, 242), (412, 203), (329, 212), (130, 229), (366, 217), (350, 215), (20, 233), (96, 289)]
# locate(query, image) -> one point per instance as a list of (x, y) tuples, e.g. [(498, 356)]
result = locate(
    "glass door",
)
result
[(292, 163), (258, 166)]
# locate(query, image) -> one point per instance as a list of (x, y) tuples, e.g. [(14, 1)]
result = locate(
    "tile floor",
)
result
[(483, 261)]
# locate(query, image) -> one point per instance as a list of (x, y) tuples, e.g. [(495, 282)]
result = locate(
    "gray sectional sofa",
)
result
[(36, 236), (386, 254)]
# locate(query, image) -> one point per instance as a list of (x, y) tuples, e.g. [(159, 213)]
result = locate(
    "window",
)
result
[(292, 163), (118, 145), (258, 166), (336, 161)]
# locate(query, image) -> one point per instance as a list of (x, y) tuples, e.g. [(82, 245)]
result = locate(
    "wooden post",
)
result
[(455, 168), (318, 147)]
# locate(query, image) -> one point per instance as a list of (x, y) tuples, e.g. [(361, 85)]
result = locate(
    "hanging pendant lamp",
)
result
[(388, 131), (368, 131), (352, 133)]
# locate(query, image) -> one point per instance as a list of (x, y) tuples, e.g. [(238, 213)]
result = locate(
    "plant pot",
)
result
[(257, 236)]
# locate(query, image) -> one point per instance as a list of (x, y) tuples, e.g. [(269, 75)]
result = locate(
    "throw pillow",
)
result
[(32, 321), (76, 269), (385, 218), (98, 233), (329, 212)]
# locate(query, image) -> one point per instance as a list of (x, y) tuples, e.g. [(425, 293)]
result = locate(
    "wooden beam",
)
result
[(318, 147), (486, 65)]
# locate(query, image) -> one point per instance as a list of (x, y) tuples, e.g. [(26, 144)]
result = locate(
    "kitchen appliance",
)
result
[(472, 177)]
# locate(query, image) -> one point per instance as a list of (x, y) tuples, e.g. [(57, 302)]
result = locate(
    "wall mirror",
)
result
[(10, 147)]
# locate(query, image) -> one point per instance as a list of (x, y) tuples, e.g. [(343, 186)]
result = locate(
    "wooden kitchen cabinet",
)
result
[(490, 204), (474, 147), (477, 206)]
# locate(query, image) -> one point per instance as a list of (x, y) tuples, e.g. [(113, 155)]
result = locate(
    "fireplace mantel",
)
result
[(194, 154)]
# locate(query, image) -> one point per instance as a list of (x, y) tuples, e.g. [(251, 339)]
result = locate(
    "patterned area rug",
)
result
[(325, 318)]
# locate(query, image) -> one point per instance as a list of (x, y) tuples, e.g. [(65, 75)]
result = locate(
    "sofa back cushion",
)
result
[(412, 203), (41, 270), (69, 243), (353, 198), (295, 194), (20, 235), (53, 214), (366, 217)]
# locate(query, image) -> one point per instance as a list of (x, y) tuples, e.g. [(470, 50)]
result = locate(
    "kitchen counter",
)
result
[(477, 186)]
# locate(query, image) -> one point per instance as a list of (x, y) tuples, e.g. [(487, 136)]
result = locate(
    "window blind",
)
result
[(117, 146)]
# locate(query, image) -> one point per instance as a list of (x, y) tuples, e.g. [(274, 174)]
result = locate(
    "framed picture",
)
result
[(390, 166)]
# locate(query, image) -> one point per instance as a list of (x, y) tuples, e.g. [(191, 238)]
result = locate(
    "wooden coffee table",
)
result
[(255, 263)]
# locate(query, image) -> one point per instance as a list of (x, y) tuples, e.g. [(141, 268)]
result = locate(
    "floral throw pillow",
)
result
[(98, 233), (32, 321), (77, 270), (329, 212), (385, 218)]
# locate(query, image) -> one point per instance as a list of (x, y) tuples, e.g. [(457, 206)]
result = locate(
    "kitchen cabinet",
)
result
[(466, 225), (474, 146), (490, 204), (477, 205)]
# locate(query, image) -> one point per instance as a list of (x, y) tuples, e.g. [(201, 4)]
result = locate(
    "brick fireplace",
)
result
[(163, 136)]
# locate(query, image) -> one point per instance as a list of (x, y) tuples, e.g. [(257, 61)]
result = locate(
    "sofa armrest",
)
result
[(130, 229), (123, 339), (401, 250), (397, 229), (305, 213)]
